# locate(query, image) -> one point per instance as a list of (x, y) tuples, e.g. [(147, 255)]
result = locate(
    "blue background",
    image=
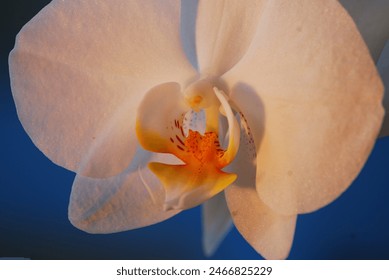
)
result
[(34, 196)]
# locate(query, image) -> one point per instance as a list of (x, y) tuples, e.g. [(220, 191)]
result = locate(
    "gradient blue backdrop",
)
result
[(34, 195)]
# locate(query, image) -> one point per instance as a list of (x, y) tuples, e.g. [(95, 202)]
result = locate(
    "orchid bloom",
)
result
[(277, 120)]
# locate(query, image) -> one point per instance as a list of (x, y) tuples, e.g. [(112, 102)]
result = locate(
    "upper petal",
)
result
[(312, 97), (383, 68), (224, 31), (371, 17), (77, 62)]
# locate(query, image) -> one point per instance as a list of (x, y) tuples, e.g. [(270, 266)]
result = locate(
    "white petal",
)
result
[(216, 223), (312, 97), (371, 17), (224, 30), (383, 68), (77, 62), (130, 200)]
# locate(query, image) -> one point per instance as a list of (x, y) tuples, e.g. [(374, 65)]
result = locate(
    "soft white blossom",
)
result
[(277, 120)]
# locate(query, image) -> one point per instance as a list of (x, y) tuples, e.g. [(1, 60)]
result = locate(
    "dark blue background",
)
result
[(34, 196)]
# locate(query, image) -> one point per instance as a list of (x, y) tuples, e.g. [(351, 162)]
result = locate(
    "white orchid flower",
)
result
[(281, 114)]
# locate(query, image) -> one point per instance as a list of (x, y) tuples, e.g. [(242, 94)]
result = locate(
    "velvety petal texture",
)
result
[(320, 95), (371, 17), (224, 31), (383, 68), (77, 62), (216, 221)]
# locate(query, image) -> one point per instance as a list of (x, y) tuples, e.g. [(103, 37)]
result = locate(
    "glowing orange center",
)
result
[(204, 148)]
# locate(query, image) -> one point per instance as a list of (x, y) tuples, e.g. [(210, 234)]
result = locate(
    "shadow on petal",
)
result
[(252, 120)]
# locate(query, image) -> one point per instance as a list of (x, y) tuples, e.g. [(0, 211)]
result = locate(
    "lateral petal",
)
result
[(77, 62), (319, 96)]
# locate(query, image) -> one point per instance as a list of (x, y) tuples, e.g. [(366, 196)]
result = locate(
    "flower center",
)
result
[(173, 131), (204, 148)]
